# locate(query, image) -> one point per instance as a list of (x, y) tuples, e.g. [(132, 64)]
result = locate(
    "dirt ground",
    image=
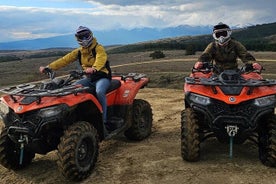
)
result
[(157, 160)]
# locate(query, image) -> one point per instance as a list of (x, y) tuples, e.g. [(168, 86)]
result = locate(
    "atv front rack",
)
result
[(217, 82), (32, 90), (136, 77), (35, 90)]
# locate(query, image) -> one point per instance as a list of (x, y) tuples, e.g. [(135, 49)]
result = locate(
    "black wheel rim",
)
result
[(85, 152)]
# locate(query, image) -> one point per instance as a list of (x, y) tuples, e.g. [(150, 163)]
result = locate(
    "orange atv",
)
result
[(233, 106), (59, 115)]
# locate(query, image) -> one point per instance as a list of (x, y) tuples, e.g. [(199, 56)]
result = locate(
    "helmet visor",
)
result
[(221, 33), (84, 35)]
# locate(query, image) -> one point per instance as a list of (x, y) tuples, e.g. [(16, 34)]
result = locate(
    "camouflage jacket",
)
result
[(225, 57)]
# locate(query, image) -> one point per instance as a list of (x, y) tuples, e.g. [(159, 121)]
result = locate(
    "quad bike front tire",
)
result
[(190, 139), (267, 142), (10, 153), (141, 121), (78, 151)]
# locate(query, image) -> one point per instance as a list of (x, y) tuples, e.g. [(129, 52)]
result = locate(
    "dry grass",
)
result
[(168, 72)]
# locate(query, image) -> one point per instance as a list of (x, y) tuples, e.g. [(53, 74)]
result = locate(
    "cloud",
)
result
[(141, 2), (28, 22)]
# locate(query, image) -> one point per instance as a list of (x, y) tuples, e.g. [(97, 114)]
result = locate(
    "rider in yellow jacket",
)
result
[(94, 65), (87, 59)]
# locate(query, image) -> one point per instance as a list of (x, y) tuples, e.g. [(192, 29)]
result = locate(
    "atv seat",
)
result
[(114, 84)]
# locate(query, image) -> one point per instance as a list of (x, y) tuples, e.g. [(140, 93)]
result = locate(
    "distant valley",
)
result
[(113, 37)]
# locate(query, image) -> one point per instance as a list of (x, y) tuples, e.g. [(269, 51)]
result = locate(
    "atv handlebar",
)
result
[(208, 67), (72, 74), (246, 68), (49, 72), (57, 86)]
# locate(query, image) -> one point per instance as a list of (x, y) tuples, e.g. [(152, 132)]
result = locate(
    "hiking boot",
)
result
[(114, 123)]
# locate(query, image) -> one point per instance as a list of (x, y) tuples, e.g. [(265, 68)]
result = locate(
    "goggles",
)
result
[(222, 32), (84, 35)]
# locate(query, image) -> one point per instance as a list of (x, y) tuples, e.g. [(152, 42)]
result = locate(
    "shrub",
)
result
[(157, 54), (9, 58)]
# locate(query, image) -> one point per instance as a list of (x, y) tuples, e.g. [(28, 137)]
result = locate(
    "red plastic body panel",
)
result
[(243, 96), (70, 100), (124, 95), (127, 92)]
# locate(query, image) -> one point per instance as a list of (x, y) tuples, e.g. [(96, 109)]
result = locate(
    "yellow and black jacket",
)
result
[(88, 59)]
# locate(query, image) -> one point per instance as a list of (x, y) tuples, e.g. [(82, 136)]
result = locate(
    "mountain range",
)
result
[(107, 38)]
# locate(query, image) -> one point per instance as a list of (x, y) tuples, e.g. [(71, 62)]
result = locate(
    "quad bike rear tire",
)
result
[(78, 151), (190, 139), (141, 120), (10, 153), (267, 142)]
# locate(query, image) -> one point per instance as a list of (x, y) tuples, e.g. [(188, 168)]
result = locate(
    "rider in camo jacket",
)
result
[(225, 51)]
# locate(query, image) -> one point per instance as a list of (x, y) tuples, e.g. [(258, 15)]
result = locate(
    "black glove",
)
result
[(76, 74), (248, 67)]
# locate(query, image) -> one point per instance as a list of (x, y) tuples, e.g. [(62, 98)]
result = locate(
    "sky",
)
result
[(31, 19)]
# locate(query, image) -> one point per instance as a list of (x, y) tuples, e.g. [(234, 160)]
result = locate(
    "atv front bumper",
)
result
[(217, 115)]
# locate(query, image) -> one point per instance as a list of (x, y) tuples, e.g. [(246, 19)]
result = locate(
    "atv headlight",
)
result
[(51, 111), (264, 101), (199, 99)]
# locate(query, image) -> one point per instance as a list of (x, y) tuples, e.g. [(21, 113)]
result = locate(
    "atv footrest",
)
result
[(115, 122)]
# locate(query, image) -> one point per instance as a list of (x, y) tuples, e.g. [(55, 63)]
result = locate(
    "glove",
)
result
[(257, 66), (198, 65), (247, 67)]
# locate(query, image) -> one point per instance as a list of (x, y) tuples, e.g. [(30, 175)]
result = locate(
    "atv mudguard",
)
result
[(126, 93)]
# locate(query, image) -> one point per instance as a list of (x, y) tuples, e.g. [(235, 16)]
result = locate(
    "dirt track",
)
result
[(157, 160)]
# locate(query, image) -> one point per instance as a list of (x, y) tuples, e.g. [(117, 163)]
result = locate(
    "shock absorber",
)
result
[(22, 140), (232, 130)]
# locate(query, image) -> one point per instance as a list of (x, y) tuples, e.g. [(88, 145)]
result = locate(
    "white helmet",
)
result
[(222, 33), (84, 36)]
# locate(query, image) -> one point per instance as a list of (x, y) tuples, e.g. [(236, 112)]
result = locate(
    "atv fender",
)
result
[(128, 90)]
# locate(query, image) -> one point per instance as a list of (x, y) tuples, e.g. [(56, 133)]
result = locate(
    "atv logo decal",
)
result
[(126, 92), (232, 99), (232, 130), (19, 108)]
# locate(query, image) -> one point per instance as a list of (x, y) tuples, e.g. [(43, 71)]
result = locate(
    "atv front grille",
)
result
[(28, 120), (245, 109)]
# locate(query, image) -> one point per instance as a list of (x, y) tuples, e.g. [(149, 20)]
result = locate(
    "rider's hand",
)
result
[(90, 70), (198, 65), (257, 66), (42, 69)]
